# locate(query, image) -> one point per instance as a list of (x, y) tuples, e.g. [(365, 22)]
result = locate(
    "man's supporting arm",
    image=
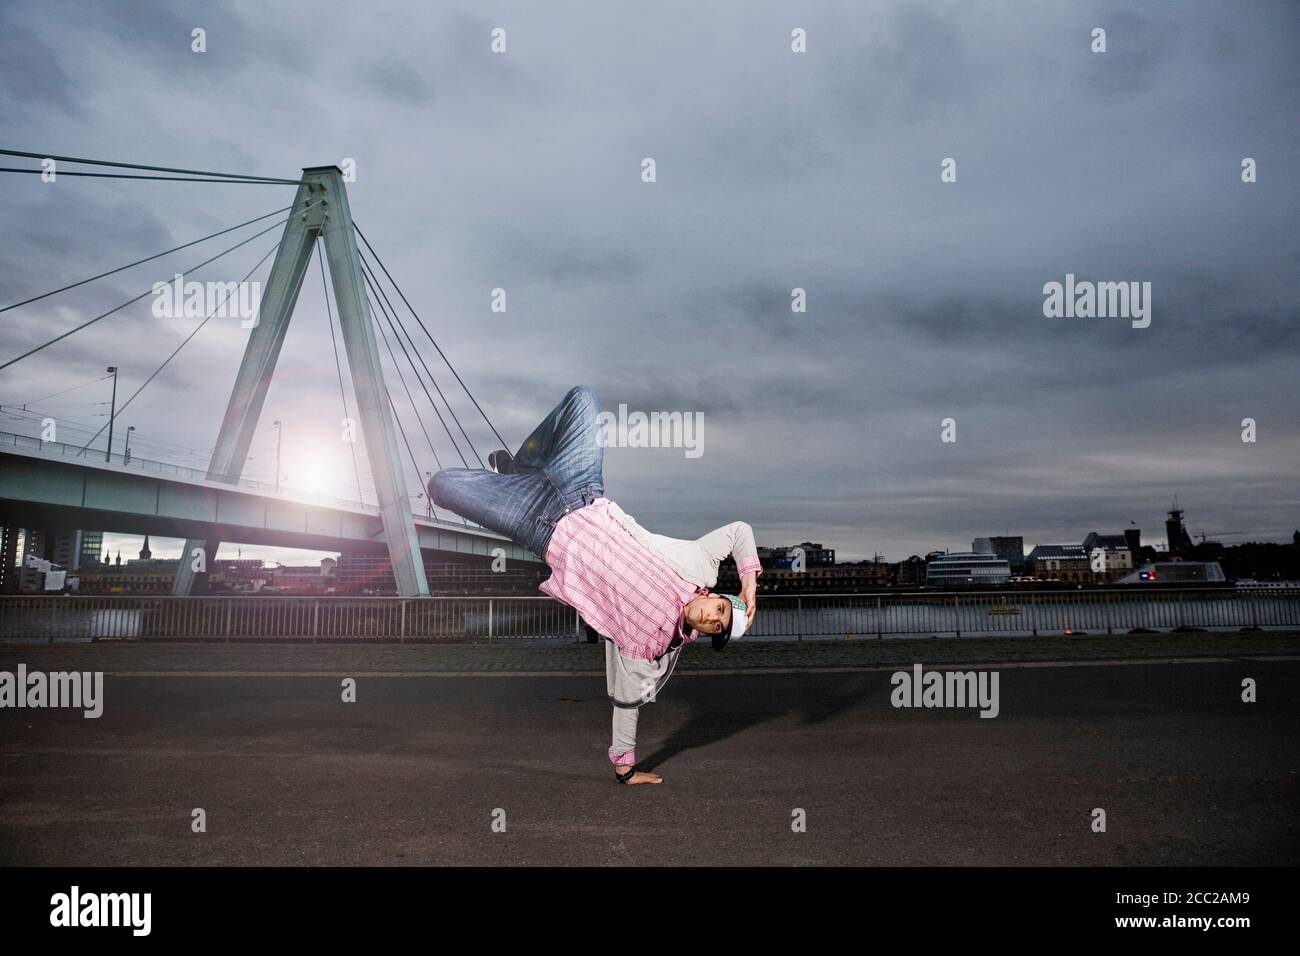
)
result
[(629, 681), (623, 752)]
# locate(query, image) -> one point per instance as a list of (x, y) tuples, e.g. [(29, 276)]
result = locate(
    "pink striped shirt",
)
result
[(620, 587)]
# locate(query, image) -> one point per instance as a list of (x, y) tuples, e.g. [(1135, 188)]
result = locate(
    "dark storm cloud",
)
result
[(396, 80), (1139, 52), (775, 171), (59, 255), (918, 64), (571, 254), (36, 81), (158, 37)]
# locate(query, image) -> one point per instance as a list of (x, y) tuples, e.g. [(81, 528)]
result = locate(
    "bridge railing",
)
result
[(963, 613), (814, 616), (74, 618)]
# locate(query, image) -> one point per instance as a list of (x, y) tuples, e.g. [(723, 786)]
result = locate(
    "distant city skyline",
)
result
[(129, 545)]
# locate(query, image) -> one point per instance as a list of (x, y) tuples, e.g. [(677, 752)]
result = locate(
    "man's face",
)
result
[(710, 614)]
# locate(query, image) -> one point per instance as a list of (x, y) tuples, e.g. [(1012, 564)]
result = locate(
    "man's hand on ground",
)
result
[(749, 594), (640, 776)]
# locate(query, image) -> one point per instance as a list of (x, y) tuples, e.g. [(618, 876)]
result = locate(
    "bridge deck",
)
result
[(47, 484)]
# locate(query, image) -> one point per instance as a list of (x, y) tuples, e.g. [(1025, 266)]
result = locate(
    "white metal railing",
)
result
[(1112, 611)]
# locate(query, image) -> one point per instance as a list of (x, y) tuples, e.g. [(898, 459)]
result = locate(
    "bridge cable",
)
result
[(72, 424), (419, 476), (365, 264), (35, 405), (369, 273), (156, 169), (93, 381), (405, 441), (162, 179), (372, 280), (59, 338), (406, 388), (198, 328), (137, 262), (137, 298), (389, 318), (430, 337), (338, 367), (414, 464), (13, 412)]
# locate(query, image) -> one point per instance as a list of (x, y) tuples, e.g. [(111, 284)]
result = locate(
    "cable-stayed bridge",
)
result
[(47, 483)]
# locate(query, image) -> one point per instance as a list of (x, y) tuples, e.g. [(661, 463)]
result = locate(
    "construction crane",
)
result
[(1218, 534)]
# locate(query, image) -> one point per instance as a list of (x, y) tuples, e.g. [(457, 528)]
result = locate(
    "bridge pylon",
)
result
[(320, 210)]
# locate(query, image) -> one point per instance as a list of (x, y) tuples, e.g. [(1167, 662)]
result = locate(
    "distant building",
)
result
[(31, 544), (966, 569), (1111, 556), (1004, 547), (910, 572), (814, 555), (61, 548), (1067, 563), (836, 578), (151, 576), (157, 575), (91, 549), (1180, 542), (238, 574), (1095, 540), (9, 570), (64, 549), (369, 571), (303, 578), (1109, 563), (1012, 549)]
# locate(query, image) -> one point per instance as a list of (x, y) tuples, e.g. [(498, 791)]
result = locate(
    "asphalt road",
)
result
[(417, 769)]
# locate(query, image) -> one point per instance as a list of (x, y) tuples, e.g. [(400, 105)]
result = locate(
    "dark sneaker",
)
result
[(502, 462)]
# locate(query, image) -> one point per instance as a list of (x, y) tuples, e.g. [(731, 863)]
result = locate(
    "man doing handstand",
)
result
[(646, 594)]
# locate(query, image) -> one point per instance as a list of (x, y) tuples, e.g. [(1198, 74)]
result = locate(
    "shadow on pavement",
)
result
[(707, 726)]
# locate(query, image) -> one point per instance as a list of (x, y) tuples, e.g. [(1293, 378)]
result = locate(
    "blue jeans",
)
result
[(559, 468)]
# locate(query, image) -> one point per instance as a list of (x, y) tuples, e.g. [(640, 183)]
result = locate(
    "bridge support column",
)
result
[(320, 210)]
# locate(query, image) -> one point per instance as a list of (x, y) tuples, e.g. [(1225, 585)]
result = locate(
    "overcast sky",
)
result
[(775, 170)]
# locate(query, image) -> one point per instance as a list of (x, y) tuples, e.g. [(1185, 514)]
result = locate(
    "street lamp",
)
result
[(279, 433), (126, 453), (112, 413)]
